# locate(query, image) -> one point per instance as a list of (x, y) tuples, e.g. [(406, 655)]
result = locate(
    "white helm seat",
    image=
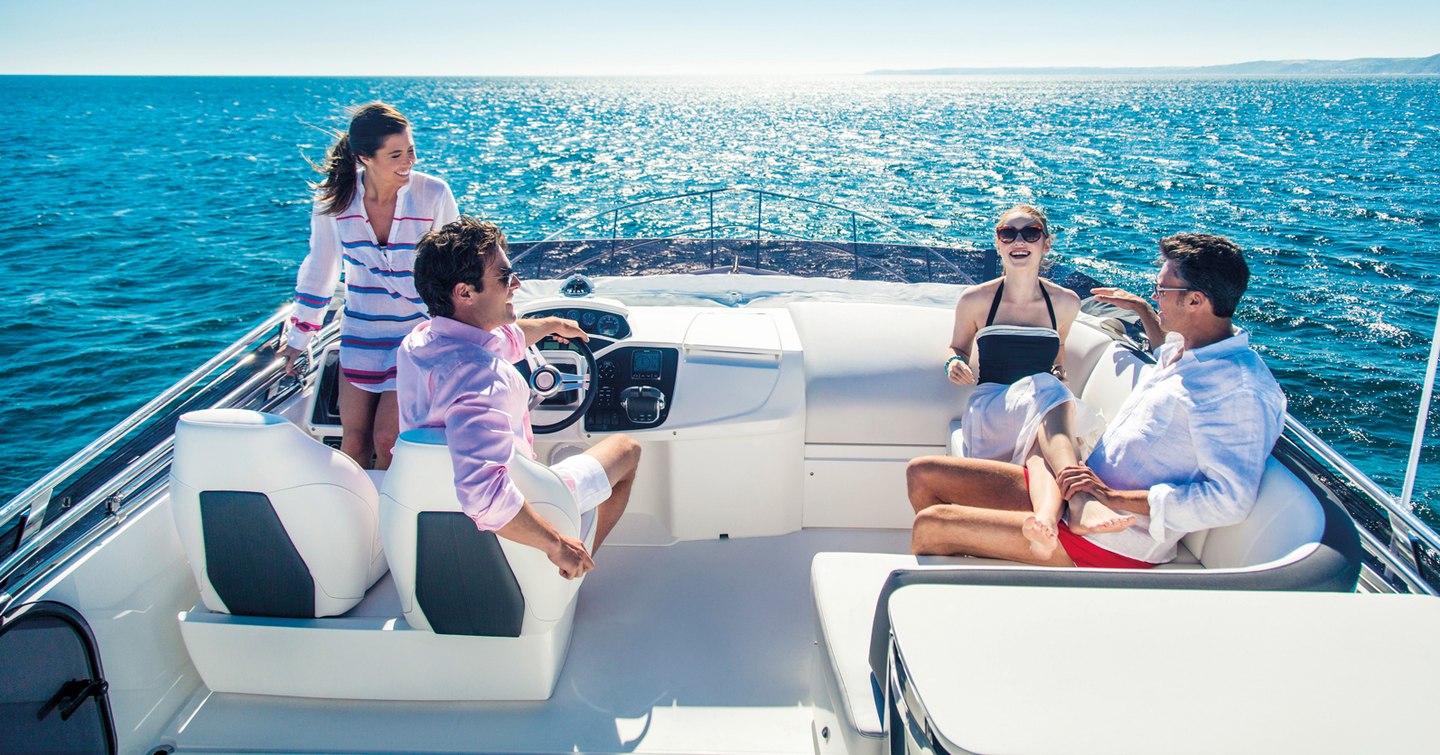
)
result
[(274, 522), (455, 579)]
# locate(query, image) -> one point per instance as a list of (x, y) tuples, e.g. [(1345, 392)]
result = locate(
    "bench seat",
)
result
[(1285, 543)]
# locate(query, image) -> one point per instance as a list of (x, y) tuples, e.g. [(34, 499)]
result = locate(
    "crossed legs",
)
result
[(1055, 450), (989, 522)]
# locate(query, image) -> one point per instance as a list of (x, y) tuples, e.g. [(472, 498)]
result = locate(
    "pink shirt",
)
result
[(460, 377)]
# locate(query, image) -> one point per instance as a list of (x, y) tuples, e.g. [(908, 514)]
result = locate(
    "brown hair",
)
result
[(458, 253), (370, 125), (1213, 265)]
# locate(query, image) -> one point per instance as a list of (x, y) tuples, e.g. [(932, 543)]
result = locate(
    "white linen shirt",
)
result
[(1196, 433), (381, 304)]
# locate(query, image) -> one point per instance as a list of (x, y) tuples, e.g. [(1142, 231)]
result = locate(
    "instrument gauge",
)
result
[(609, 326), (587, 320), (573, 314)]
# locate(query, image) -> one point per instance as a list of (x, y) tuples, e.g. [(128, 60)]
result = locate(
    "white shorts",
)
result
[(586, 478)]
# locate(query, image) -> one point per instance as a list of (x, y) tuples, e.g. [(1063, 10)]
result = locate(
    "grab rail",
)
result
[(36, 497), (758, 227), (1408, 531)]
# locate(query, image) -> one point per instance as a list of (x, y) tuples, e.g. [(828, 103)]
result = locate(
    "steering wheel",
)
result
[(547, 381)]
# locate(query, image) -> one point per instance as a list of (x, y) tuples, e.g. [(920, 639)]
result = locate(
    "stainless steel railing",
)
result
[(140, 473), (608, 222), (1408, 534)]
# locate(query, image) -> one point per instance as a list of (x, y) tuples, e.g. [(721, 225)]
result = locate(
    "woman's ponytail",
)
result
[(371, 124)]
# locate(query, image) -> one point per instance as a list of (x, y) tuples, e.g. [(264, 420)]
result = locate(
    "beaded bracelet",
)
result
[(957, 357)]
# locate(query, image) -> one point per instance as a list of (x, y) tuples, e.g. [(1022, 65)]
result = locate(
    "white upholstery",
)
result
[(421, 478), (844, 588), (327, 504), (1109, 381), (874, 374), (1286, 525), (1287, 522)]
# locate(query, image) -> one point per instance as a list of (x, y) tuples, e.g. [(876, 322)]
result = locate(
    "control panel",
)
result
[(607, 325), (635, 387)]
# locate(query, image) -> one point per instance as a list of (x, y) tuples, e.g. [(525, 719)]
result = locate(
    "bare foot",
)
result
[(1095, 517), (1043, 540)]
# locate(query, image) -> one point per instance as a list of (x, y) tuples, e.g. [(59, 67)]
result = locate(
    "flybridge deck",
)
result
[(734, 609)]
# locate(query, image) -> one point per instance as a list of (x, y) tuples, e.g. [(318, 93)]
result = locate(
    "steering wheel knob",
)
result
[(545, 381)]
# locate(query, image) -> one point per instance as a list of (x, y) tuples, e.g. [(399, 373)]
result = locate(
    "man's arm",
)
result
[(1233, 436), (478, 434), (1126, 300), (567, 553), (537, 328)]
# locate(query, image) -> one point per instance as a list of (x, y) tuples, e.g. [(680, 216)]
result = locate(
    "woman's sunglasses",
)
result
[(1008, 233)]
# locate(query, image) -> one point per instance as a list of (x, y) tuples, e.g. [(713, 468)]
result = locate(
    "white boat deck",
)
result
[(701, 646)]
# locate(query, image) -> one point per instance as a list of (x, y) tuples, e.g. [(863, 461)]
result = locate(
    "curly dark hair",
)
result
[(1213, 265), (458, 253)]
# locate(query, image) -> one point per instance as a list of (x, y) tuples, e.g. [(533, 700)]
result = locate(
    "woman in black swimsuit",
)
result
[(1009, 341)]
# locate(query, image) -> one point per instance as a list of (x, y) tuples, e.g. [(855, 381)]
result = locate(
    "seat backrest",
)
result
[(1111, 379), (453, 578), (274, 522), (1286, 518)]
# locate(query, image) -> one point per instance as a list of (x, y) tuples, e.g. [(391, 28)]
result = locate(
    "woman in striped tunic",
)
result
[(370, 211)]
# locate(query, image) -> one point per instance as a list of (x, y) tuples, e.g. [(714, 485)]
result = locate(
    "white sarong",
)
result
[(1001, 421)]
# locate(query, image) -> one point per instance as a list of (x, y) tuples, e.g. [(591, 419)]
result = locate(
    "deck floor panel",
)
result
[(700, 646)]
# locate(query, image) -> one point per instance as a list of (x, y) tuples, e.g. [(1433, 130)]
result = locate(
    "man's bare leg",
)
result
[(620, 456), (971, 531), (1056, 443), (935, 480)]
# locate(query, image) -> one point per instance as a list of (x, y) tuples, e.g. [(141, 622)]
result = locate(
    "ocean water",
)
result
[(154, 220)]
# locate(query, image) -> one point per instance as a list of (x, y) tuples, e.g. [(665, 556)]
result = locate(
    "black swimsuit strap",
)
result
[(1053, 325), (995, 305)]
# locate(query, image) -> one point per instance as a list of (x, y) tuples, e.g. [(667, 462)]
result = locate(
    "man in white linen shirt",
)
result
[(1184, 453)]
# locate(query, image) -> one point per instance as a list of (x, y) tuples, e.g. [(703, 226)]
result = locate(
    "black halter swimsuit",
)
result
[(1010, 352)]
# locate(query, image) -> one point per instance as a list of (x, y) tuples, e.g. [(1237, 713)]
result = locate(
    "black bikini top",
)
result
[(1010, 352)]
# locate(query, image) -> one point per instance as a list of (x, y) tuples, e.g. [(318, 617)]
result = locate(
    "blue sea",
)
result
[(154, 220)]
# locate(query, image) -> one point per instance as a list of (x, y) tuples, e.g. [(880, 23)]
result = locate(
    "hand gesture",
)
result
[(1123, 299), (570, 556)]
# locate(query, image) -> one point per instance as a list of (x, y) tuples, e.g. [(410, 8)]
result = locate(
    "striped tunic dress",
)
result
[(381, 305)]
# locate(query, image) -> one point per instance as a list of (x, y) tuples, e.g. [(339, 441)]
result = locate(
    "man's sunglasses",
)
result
[(509, 277), (1008, 233)]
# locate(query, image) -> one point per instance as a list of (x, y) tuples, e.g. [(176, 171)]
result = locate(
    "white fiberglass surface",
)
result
[(701, 646), (750, 290)]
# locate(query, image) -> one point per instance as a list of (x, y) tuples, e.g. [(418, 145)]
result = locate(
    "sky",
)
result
[(662, 37)]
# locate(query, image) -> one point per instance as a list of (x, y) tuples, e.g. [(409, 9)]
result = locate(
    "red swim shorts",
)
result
[(1089, 555)]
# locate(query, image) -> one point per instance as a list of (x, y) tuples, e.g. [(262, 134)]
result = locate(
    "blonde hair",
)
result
[(1034, 212)]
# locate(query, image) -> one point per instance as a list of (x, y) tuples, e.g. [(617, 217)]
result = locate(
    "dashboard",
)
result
[(634, 385), (612, 326)]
